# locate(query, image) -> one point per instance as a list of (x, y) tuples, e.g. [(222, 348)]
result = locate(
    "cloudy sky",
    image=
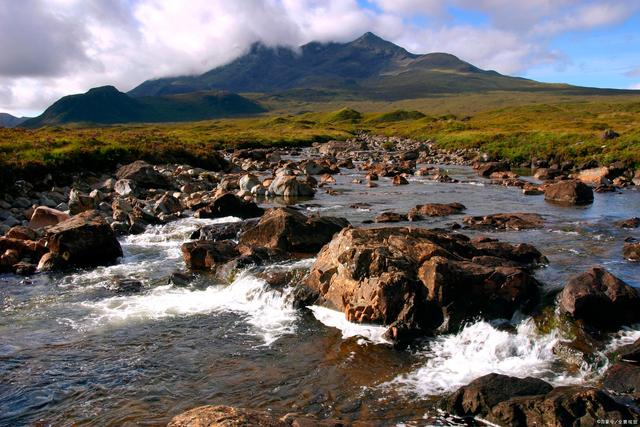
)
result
[(50, 48)]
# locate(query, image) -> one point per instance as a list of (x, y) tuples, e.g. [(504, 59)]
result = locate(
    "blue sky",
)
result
[(51, 48)]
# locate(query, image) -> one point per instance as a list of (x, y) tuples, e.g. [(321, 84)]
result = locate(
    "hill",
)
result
[(9, 121), (366, 68), (107, 105)]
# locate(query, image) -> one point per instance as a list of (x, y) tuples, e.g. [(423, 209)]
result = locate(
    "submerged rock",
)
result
[(434, 209), (505, 221), (569, 193), (599, 298)]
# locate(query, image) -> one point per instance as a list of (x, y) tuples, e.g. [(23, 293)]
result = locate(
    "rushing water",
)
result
[(74, 352)]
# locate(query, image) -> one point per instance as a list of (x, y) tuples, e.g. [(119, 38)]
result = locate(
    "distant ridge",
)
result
[(107, 105), (367, 68), (9, 121)]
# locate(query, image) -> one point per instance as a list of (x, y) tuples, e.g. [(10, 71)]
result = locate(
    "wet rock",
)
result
[(599, 298), (224, 231), (44, 216), (225, 416), (79, 202), (415, 280), (21, 233), (628, 223), (479, 396), (400, 180), (143, 174), (229, 204), (127, 286), (513, 401), (390, 217), (179, 279), (486, 169), (434, 209), (631, 251), (289, 186), (84, 240), (505, 221), (288, 230), (569, 192), (207, 254), (623, 377), (522, 253)]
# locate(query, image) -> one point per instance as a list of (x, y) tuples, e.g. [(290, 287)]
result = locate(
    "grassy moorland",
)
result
[(564, 130)]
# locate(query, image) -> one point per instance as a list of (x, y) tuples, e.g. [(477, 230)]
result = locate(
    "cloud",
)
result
[(633, 73), (635, 86), (50, 48)]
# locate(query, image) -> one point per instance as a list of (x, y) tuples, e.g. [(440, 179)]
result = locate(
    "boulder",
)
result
[(569, 192), (248, 181), (289, 186), (390, 217), (400, 180), (631, 251), (595, 176), (505, 221), (143, 174), (288, 230), (512, 401), (167, 204), (487, 168), (224, 231), (126, 187), (79, 202), (44, 216), (415, 280), (599, 298), (228, 204), (482, 394), (628, 223), (21, 233), (434, 209), (623, 378), (208, 254), (84, 240)]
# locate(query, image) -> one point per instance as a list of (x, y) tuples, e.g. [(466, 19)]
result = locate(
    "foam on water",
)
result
[(480, 349), (265, 309), (335, 319)]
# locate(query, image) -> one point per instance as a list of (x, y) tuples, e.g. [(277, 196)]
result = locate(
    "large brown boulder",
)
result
[(487, 168), (569, 193), (505, 221), (483, 393), (601, 299), (208, 254), (229, 204), (434, 209), (595, 176), (286, 229), (44, 216), (143, 174), (512, 401), (84, 240), (415, 280)]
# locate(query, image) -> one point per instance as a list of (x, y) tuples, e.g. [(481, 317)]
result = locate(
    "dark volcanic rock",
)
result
[(84, 240), (505, 221), (569, 193), (288, 230), (599, 298)]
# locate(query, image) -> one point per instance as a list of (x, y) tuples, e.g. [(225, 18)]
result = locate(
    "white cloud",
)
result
[(51, 48), (635, 86)]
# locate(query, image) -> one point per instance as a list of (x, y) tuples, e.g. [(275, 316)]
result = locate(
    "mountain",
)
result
[(367, 68), (9, 121), (107, 105)]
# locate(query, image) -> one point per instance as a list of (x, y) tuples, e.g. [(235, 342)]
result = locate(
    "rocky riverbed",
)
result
[(350, 281)]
